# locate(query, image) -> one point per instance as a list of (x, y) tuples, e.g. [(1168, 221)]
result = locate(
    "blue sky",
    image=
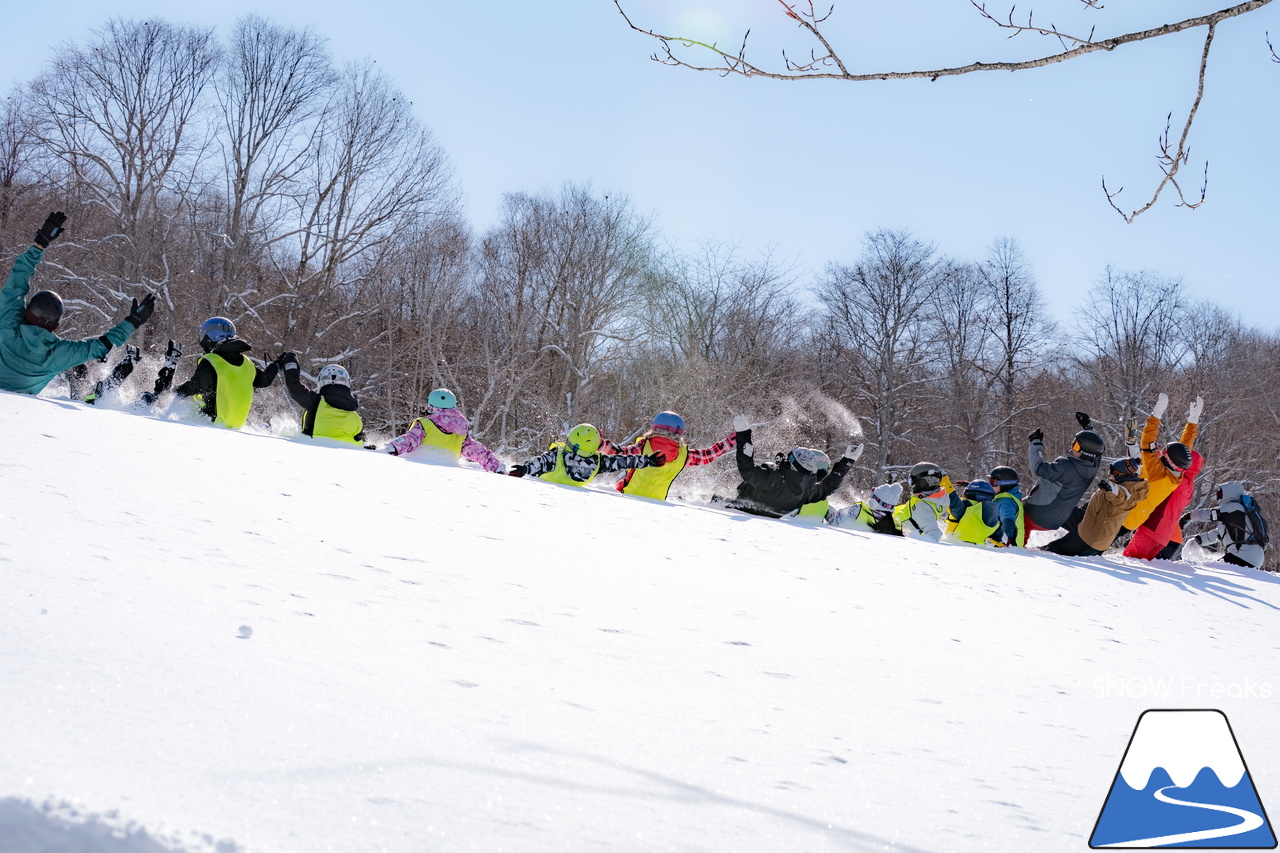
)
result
[(524, 96)]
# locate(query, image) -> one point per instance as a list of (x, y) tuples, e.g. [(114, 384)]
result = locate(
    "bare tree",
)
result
[(123, 115), (273, 84), (824, 62), (562, 276), (1019, 331), (1130, 337), (375, 170), (17, 144), (880, 338)]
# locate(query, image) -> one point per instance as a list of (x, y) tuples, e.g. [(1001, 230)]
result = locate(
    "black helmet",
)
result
[(44, 310), (214, 331), (1177, 456), (1089, 444), (925, 477), (1003, 476), (1126, 470)]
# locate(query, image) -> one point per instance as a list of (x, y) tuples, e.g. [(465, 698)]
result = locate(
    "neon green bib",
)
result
[(816, 508), (970, 527), (655, 482), (433, 436), (338, 424), (234, 394), (560, 474), (1022, 525)]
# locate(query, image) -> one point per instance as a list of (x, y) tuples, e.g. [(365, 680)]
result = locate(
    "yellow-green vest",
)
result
[(818, 508), (970, 527), (655, 481), (335, 423), (1022, 525), (433, 436), (902, 512), (560, 474), (234, 393)]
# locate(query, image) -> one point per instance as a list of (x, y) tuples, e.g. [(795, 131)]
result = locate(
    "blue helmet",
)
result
[(214, 331), (980, 490), (668, 422), (441, 398)]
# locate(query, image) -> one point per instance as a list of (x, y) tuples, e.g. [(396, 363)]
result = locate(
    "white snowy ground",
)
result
[(441, 659)]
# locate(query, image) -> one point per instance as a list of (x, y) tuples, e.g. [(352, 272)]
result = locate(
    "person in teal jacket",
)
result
[(30, 353)]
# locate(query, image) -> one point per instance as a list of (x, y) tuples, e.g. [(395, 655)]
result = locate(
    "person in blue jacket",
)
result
[(31, 355)]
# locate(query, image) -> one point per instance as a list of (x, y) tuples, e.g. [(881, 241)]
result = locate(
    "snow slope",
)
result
[(441, 659)]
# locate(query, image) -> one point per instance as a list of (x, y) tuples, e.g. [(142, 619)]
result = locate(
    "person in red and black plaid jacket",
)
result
[(666, 436)]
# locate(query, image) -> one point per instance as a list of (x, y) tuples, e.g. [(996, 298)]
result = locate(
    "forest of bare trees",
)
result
[(253, 177)]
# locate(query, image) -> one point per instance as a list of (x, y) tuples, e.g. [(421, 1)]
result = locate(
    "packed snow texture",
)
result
[(221, 641)]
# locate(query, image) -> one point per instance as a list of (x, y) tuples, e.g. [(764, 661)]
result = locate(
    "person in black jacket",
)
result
[(798, 483), (330, 411), (224, 379)]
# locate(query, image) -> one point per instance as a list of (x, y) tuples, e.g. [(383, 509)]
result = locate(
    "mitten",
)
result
[(1194, 410)]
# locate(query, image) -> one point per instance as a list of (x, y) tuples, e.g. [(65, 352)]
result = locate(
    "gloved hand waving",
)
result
[(1162, 403), (141, 311), (51, 229), (1193, 412)]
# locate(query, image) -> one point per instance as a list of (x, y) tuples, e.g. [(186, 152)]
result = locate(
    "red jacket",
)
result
[(1159, 528)]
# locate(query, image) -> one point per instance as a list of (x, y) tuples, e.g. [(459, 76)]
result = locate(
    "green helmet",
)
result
[(584, 439)]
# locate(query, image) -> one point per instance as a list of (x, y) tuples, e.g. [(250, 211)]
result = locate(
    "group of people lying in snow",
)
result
[(1141, 502)]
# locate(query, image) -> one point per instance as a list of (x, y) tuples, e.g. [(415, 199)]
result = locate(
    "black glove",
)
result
[(518, 471), (1186, 517), (50, 230), (655, 460), (1104, 485), (141, 311), (1038, 435), (287, 361), (1083, 420)]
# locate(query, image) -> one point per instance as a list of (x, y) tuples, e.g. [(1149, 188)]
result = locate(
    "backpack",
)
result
[(1256, 523)]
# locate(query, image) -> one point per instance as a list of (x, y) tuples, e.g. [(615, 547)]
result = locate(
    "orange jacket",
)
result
[(1162, 481)]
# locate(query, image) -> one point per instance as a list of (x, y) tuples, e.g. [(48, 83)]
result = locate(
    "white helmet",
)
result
[(886, 496), (333, 374)]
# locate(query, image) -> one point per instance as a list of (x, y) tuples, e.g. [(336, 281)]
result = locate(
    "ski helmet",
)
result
[(808, 459), (1126, 470), (441, 398), (1003, 476), (1089, 445), (584, 439), (44, 310), (333, 374), (1177, 456), (925, 477), (979, 489), (214, 331), (668, 422), (1232, 491), (885, 497)]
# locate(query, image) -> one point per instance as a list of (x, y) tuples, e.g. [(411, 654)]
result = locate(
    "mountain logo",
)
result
[(1183, 783)]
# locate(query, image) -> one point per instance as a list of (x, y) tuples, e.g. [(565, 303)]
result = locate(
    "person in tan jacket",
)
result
[(1163, 467), (1091, 532)]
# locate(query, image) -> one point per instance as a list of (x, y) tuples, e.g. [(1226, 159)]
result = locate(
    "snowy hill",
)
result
[(234, 642)]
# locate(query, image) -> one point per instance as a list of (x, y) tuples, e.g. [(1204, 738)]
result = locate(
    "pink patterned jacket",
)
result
[(450, 421)]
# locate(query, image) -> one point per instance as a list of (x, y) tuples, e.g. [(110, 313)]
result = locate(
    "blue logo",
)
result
[(1183, 783)]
